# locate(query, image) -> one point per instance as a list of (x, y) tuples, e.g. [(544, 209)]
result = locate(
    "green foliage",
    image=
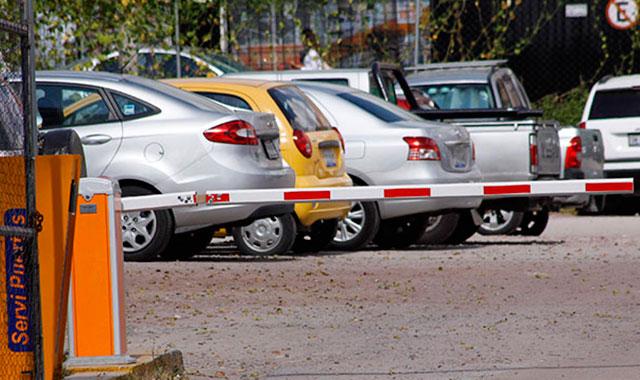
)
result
[(493, 38), (67, 30), (566, 108)]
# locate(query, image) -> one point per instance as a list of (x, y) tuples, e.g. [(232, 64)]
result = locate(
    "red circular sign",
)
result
[(622, 14)]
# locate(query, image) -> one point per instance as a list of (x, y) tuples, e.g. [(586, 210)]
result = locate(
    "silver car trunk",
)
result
[(455, 144), (267, 132)]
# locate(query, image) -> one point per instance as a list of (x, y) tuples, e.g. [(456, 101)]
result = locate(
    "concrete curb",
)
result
[(167, 366)]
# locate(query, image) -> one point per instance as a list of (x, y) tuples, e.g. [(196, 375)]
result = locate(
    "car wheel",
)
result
[(500, 222), (439, 228), (320, 234), (273, 235), (401, 232), (186, 245), (358, 228), (534, 223), (465, 228), (144, 233)]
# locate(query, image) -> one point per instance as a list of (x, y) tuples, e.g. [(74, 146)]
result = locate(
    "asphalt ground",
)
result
[(562, 305)]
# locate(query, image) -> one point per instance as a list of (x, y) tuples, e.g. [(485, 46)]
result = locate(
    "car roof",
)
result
[(466, 75), (327, 88), (126, 83), (623, 81), (239, 82)]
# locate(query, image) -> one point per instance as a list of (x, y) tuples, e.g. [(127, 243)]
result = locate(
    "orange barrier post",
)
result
[(96, 300)]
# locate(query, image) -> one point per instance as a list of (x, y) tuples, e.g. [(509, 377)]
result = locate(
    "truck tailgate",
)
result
[(504, 149), (548, 151), (592, 153)]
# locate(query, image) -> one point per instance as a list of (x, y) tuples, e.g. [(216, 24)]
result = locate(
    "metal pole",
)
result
[(224, 43), (416, 55), (274, 56), (177, 28), (27, 47)]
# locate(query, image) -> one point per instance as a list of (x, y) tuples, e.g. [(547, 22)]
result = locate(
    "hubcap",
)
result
[(494, 220), (352, 225), (263, 234), (138, 230), (433, 222)]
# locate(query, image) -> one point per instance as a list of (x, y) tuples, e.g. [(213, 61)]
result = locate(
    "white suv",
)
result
[(613, 107)]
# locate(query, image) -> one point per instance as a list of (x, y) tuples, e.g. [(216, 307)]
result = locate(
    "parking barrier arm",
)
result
[(374, 193)]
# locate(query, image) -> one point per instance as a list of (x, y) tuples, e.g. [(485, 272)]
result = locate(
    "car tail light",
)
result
[(582, 125), (422, 148), (237, 132), (533, 153), (573, 160), (303, 143), (341, 138), (403, 103)]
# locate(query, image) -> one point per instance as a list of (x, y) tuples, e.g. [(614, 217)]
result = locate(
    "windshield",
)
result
[(379, 108), (459, 96)]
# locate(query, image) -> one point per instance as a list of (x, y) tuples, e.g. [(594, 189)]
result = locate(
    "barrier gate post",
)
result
[(97, 334)]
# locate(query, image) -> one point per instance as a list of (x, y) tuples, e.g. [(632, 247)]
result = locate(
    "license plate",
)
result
[(330, 158), (271, 149), (634, 139)]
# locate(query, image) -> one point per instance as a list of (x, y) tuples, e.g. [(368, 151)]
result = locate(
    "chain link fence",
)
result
[(20, 318), (552, 45)]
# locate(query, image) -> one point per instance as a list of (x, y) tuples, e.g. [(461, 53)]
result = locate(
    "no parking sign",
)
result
[(622, 14)]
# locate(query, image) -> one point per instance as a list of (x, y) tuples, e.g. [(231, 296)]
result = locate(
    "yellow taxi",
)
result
[(308, 144)]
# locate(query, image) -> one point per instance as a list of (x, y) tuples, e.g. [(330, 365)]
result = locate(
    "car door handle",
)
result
[(95, 139)]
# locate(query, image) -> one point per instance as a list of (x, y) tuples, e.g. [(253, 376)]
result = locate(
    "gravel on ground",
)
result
[(562, 305)]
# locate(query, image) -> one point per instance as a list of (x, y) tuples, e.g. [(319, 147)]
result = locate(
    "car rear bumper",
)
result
[(630, 173), (198, 179), (309, 213)]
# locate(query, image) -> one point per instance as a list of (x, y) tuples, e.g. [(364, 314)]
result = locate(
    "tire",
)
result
[(500, 222), (534, 223), (440, 228), (320, 234), (464, 230), (186, 245), (401, 232), (156, 224), (273, 235), (358, 228)]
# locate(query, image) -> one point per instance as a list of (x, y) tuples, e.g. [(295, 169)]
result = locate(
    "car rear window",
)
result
[(340, 81), (230, 100), (459, 96), (615, 103), (379, 108), (301, 113)]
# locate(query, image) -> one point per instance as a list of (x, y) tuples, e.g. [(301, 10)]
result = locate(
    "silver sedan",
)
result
[(386, 145), (154, 138)]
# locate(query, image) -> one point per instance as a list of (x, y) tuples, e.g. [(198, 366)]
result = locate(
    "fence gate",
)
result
[(20, 317)]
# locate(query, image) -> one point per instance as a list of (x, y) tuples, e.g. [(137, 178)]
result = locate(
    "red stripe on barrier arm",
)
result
[(610, 186), (405, 193), (306, 195), (507, 189), (217, 198)]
